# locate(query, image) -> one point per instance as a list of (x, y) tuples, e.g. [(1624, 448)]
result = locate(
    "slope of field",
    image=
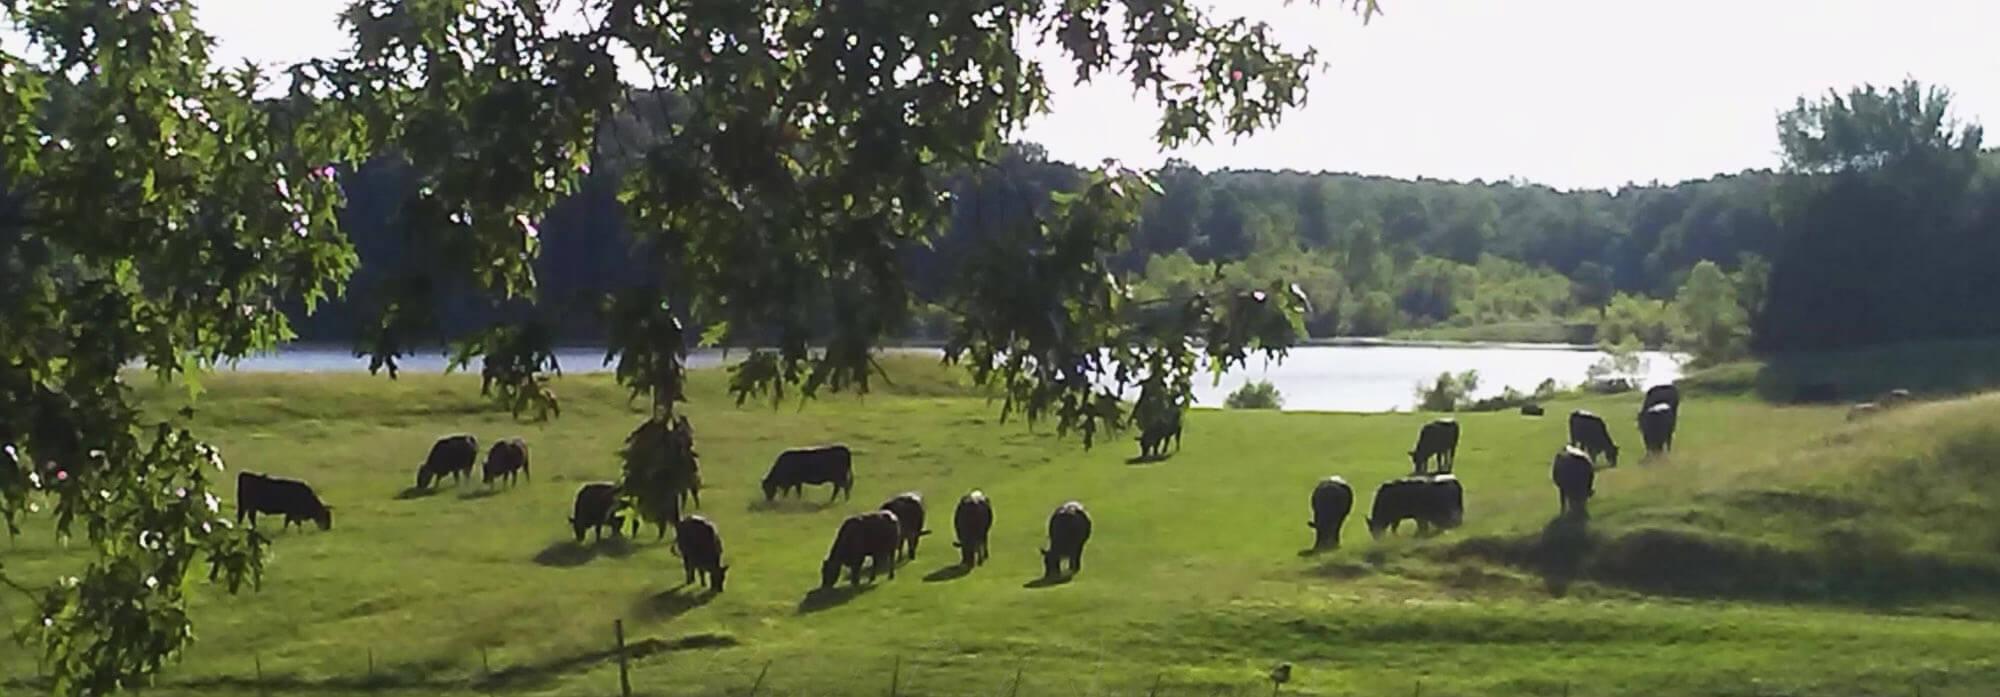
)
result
[(1716, 571)]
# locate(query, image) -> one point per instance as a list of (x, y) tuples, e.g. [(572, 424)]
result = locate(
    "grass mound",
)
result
[(1885, 512)]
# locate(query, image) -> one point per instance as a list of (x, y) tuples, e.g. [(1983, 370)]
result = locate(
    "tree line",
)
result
[(1860, 237)]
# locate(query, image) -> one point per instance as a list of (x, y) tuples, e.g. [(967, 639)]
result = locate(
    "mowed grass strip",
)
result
[(1193, 579)]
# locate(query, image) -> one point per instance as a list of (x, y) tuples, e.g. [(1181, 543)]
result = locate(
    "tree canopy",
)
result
[(163, 210)]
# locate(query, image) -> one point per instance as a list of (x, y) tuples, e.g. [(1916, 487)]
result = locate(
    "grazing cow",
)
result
[(699, 546), (1656, 426), (1662, 394), (1575, 478), (596, 507), (258, 493), (1863, 410), (506, 459), (1153, 437), (1895, 398), (1587, 431), (863, 537), (1332, 500), (795, 468), (1069, 528), (451, 455), (1531, 410), (1439, 440), (972, 521), (909, 509), (1434, 502)]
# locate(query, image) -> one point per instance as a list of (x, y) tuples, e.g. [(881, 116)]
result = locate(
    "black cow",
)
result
[(972, 521), (1438, 439), (1575, 478), (1662, 394), (1069, 529), (258, 493), (1153, 437), (1531, 410), (506, 459), (1434, 502), (451, 455), (795, 468), (909, 509), (596, 507), (863, 537), (699, 546), (1587, 431), (1656, 427), (1332, 500)]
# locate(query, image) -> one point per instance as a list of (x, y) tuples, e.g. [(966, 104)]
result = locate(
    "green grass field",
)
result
[(1778, 551)]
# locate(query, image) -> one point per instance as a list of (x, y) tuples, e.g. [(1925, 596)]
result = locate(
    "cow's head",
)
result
[(770, 489), (577, 528), (1376, 528), (720, 573), (324, 518), (423, 477), (1611, 454), (1051, 564)]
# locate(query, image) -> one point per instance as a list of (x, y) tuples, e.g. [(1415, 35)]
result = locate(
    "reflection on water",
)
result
[(1312, 378)]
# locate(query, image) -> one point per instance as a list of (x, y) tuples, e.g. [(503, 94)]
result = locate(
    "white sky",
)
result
[(1571, 93)]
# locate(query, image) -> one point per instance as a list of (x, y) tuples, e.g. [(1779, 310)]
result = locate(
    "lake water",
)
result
[(1361, 377)]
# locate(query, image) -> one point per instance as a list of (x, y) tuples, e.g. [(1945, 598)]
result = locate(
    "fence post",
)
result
[(895, 675), (760, 679), (371, 662), (1155, 692), (624, 669), (258, 658), (1565, 688), (485, 667), (1015, 691), (1419, 692)]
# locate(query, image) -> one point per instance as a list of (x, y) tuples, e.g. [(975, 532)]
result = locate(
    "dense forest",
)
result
[(1881, 225)]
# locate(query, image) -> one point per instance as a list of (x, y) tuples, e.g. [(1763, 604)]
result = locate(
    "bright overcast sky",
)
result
[(1571, 93)]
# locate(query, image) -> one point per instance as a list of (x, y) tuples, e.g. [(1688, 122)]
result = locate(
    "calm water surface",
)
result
[(1312, 378)]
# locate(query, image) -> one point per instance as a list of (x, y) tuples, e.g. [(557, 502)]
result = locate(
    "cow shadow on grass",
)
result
[(819, 599), (568, 553), (417, 492), (1561, 551), (1147, 459), (1049, 581), (791, 505), (480, 493), (948, 573), (673, 602)]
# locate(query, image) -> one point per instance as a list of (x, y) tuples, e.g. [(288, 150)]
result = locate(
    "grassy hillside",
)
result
[(1778, 551)]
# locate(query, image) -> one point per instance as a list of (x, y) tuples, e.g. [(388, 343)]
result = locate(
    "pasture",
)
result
[(1779, 550)]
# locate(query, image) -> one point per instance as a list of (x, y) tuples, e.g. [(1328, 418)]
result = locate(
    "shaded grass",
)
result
[(1935, 369), (1192, 579)]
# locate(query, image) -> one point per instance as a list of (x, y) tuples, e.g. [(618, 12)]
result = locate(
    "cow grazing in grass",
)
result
[(1069, 529), (596, 508), (1332, 500), (1656, 427), (505, 460), (1437, 441), (257, 493), (795, 468), (863, 537), (1154, 437), (972, 522), (1435, 503), (1587, 431), (1896, 398), (1532, 410), (909, 509), (1575, 479), (1863, 410), (699, 546), (451, 456)]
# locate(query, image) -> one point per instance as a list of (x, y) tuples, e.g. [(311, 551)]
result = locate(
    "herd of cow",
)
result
[(1431, 496), (877, 539)]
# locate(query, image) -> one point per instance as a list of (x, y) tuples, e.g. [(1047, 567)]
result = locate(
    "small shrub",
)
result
[(1449, 392), (1511, 398), (1255, 395)]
